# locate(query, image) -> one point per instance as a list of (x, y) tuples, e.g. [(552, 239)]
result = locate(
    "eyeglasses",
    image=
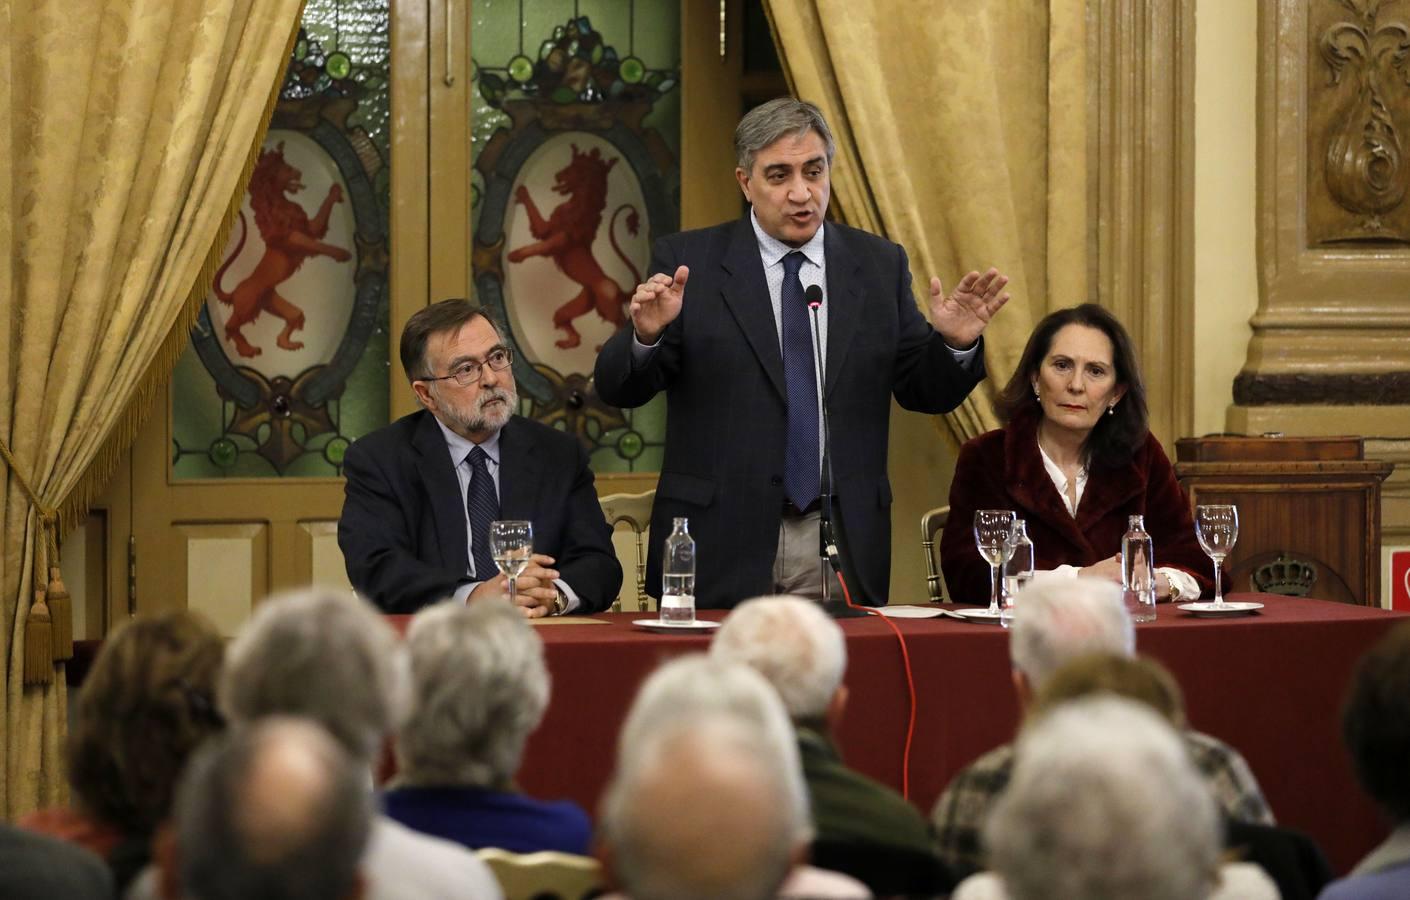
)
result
[(467, 373)]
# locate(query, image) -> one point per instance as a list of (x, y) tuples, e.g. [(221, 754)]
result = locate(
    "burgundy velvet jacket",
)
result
[(1004, 470)]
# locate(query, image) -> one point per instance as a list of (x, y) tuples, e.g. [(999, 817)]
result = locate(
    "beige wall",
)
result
[(1225, 278)]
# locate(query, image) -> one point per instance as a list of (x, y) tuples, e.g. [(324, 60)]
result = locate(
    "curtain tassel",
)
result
[(61, 614), (38, 643)]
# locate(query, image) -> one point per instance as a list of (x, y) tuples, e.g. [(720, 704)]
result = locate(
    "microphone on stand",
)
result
[(828, 550)]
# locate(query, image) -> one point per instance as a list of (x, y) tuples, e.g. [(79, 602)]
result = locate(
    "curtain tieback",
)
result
[(48, 633)]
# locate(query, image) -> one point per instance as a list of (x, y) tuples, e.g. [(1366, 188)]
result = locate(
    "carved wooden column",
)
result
[(1330, 352)]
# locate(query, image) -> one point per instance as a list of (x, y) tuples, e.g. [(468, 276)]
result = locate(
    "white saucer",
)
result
[(978, 614), (911, 612), (1210, 611), (656, 625)]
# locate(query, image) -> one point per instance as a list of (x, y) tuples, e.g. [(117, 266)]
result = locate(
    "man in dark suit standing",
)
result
[(743, 446), (422, 491)]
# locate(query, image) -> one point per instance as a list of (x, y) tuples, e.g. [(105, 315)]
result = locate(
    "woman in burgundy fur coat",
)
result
[(1074, 459)]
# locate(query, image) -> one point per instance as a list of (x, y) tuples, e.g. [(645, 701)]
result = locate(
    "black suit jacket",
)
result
[(402, 531), (720, 365)]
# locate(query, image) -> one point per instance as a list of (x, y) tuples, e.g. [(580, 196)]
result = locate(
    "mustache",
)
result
[(510, 398)]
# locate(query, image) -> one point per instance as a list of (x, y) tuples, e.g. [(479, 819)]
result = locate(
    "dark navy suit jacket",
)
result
[(721, 368), (402, 531)]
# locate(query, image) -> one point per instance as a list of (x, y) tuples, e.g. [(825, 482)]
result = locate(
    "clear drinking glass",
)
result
[(991, 532), (1217, 527), (512, 545)]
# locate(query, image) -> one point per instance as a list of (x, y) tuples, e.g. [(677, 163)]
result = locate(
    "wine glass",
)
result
[(511, 545), (991, 533), (1217, 527)]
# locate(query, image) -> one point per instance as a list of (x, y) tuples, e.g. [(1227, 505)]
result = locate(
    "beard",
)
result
[(474, 418)]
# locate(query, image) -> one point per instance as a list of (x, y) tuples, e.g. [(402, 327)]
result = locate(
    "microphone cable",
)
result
[(813, 297)]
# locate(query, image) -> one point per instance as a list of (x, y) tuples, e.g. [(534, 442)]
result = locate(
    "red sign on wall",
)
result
[(1400, 579)]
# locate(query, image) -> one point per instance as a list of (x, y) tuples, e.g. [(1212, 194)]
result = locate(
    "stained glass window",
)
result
[(289, 361), (575, 171)]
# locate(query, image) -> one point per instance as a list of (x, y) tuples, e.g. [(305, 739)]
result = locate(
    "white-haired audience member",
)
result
[(330, 657), (480, 688), (1104, 802), (1376, 728), (708, 800), (863, 827), (1058, 620), (276, 810)]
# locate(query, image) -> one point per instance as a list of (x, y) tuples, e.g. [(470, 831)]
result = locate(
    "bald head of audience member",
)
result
[(1376, 723), (276, 811), (323, 655), (1134, 678), (1104, 802), (797, 648), (707, 800), (1058, 619)]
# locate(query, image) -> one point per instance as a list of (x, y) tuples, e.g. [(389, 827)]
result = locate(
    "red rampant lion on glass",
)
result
[(290, 237), (567, 235)]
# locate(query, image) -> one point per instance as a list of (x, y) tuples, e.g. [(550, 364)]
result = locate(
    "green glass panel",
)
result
[(567, 92), (281, 376)]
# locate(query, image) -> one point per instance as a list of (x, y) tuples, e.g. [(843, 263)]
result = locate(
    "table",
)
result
[(1271, 685)]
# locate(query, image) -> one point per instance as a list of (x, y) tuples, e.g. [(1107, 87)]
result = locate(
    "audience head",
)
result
[(794, 645), (323, 655), (1104, 802), (1140, 679), (146, 705), (1376, 722), (479, 689), (712, 738), (276, 810), (1059, 619), (1111, 437)]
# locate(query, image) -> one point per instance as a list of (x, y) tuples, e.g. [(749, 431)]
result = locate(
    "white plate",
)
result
[(978, 614), (1210, 611), (911, 612), (656, 625)]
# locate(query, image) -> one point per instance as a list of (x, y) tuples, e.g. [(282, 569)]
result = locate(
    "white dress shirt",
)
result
[(460, 448)]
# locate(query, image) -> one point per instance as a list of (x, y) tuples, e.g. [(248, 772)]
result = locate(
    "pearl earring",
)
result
[(1111, 410)]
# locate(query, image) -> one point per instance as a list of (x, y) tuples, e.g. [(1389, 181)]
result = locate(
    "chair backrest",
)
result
[(633, 511), (930, 525), (547, 875)]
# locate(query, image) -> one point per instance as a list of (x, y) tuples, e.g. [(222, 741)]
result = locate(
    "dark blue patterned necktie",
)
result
[(483, 505), (800, 457)]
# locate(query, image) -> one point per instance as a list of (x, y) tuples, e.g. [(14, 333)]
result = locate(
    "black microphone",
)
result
[(827, 543)]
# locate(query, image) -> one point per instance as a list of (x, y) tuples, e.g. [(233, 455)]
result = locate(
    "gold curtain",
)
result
[(962, 135), (128, 131)]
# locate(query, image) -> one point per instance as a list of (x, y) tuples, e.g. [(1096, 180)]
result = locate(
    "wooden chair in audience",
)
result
[(547, 875), (930, 525), (634, 511)]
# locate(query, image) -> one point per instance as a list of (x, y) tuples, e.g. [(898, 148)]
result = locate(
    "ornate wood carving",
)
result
[(1358, 122)]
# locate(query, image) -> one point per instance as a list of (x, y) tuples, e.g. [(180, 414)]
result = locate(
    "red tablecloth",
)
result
[(1270, 684)]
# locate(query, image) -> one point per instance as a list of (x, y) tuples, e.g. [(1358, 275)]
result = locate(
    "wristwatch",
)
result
[(560, 601)]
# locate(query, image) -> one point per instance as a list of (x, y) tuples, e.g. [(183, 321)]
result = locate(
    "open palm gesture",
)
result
[(961, 317)]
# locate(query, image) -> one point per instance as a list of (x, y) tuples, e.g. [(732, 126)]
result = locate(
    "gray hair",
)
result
[(1057, 619), (776, 119), (325, 655), (701, 812), (695, 685), (1104, 802), (793, 644), (277, 811), (480, 688)]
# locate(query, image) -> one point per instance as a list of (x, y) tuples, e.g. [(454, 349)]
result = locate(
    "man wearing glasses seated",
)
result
[(422, 491)]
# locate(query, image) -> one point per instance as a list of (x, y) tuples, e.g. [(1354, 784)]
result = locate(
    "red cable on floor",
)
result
[(910, 684)]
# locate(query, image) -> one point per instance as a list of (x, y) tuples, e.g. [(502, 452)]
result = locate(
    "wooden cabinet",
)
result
[(1309, 511)]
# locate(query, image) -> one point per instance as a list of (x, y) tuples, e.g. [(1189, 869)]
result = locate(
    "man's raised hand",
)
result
[(960, 318), (656, 304)]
